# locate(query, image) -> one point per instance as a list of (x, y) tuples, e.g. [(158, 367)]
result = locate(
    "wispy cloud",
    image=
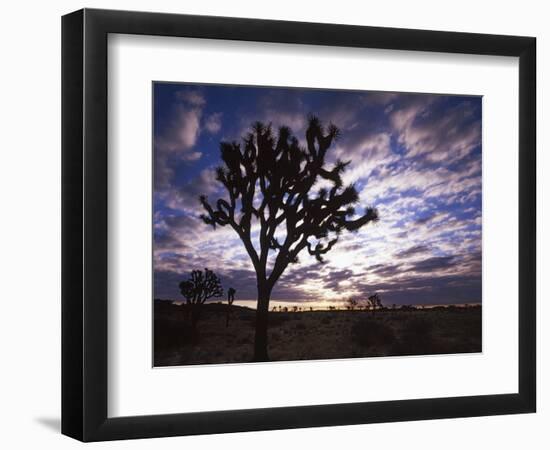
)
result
[(428, 128), (191, 96)]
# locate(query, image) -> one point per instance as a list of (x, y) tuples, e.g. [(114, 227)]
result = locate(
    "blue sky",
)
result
[(415, 157)]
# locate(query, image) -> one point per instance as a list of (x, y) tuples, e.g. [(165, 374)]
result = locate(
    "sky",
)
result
[(414, 157)]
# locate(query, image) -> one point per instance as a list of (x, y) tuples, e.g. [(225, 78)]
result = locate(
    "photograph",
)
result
[(273, 225), (311, 224)]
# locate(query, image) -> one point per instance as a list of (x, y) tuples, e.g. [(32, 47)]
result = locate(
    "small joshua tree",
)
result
[(351, 303), (375, 302), (230, 299), (270, 180), (200, 287)]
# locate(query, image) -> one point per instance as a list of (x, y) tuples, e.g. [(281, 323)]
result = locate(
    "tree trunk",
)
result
[(260, 338)]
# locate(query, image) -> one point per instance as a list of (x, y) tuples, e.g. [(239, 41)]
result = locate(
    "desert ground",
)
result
[(310, 335)]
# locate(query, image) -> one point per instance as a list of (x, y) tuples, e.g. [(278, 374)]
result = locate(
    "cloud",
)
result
[(181, 134), (213, 123), (434, 264), (371, 153), (431, 217), (175, 141), (386, 269), (192, 97), (278, 108), (445, 289), (380, 98), (427, 127), (185, 197), (413, 251)]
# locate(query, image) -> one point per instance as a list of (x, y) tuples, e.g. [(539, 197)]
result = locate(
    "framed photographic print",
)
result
[(275, 213)]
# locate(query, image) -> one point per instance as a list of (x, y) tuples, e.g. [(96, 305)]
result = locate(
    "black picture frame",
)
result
[(84, 224)]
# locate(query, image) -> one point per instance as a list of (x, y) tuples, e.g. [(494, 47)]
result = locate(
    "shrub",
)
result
[(370, 332)]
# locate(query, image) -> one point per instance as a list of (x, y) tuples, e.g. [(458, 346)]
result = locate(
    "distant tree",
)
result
[(200, 287), (285, 309), (230, 299), (311, 308), (351, 303), (294, 309), (270, 178), (375, 302)]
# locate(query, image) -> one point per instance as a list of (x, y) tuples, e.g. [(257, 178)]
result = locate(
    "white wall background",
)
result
[(30, 225)]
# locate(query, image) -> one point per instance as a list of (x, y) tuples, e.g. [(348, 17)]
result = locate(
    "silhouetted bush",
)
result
[(197, 289), (370, 332)]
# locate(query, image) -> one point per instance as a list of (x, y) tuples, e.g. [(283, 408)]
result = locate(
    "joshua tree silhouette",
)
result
[(230, 299), (270, 179), (196, 290), (351, 303), (375, 302)]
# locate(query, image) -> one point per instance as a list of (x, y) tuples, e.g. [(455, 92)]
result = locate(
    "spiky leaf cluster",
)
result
[(271, 178)]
